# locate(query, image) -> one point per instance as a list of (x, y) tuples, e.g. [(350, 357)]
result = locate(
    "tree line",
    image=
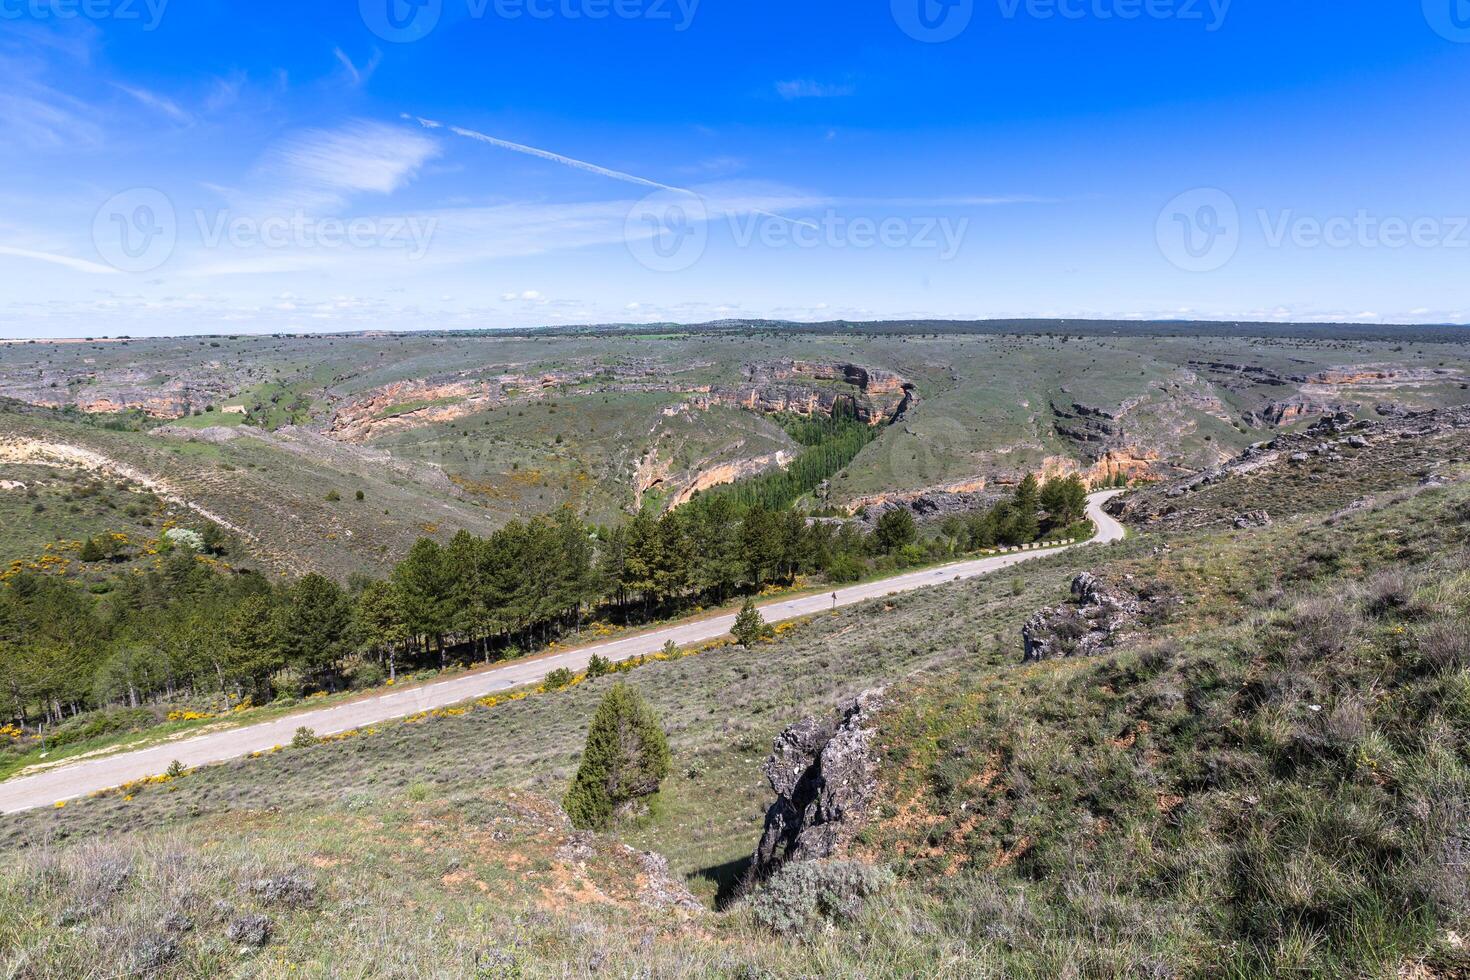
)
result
[(185, 630)]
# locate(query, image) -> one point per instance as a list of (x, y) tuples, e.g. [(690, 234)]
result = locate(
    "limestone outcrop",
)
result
[(1098, 614), (825, 775)]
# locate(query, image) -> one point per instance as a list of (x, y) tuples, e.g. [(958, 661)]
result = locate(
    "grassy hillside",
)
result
[(599, 452), (1270, 779), (272, 487)]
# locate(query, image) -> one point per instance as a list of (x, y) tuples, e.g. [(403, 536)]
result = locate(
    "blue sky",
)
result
[(188, 166)]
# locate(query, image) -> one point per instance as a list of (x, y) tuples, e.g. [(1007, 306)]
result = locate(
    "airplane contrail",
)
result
[(576, 164)]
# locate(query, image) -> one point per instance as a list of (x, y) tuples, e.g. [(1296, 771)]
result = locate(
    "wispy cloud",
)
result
[(225, 92), (37, 117), (962, 201), (573, 162), (359, 74), (804, 88), (157, 102), (80, 265), (560, 158), (322, 169)]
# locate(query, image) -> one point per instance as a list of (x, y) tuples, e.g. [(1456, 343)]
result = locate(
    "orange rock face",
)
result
[(372, 414)]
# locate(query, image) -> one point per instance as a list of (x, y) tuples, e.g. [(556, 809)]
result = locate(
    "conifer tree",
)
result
[(626, 758), (750, 626)]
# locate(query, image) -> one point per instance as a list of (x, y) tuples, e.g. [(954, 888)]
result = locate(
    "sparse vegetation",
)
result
[(1270, 777)]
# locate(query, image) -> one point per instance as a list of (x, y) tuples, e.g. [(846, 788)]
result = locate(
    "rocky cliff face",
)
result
[(392, 406), (785, 387), (1399, 448), (1289, 410), (1144, 437), (808, 388), (1375, 375), (161, 403), (721, 474), (825, 775)]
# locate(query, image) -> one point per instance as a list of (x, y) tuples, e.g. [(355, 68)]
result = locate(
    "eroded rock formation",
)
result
[(784, 387), (825, 775), (810, 388), (1097, 616), (1289, 410)]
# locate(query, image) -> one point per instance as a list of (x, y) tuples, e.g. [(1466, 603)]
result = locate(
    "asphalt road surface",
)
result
[(87, 776)]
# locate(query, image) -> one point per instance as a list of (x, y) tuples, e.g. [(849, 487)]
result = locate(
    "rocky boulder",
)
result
[(1092, 621), (824, 774)]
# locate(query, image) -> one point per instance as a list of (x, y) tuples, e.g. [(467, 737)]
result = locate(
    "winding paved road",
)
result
[(87, 776)]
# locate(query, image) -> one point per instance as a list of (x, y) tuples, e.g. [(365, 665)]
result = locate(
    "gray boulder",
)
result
[(824, 774), (1091, 622)]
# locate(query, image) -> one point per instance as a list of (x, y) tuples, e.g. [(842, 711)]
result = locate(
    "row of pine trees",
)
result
[(185, 630)]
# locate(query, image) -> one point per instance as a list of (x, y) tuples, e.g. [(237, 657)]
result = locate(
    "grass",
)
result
[(1174, 808), (1253, 795), (1274, 780)]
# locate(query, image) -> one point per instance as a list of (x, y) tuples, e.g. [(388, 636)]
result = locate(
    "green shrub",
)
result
[(626, 758), (910, 554), (304, 738), (845, 568), (802, 897), (599, 666), (559, 678), (100, 723)]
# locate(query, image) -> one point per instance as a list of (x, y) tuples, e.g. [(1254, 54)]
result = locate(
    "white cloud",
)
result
[(80, 265), (157, 102), (364, 73), (802, 88), (46, 119), (323, 168)]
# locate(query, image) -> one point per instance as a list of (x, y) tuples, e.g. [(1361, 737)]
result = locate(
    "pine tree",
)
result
[(316, 625), (424, 587), (1064, 500), (895, 529), (1024, 525), (750, 626), (626, 758)]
